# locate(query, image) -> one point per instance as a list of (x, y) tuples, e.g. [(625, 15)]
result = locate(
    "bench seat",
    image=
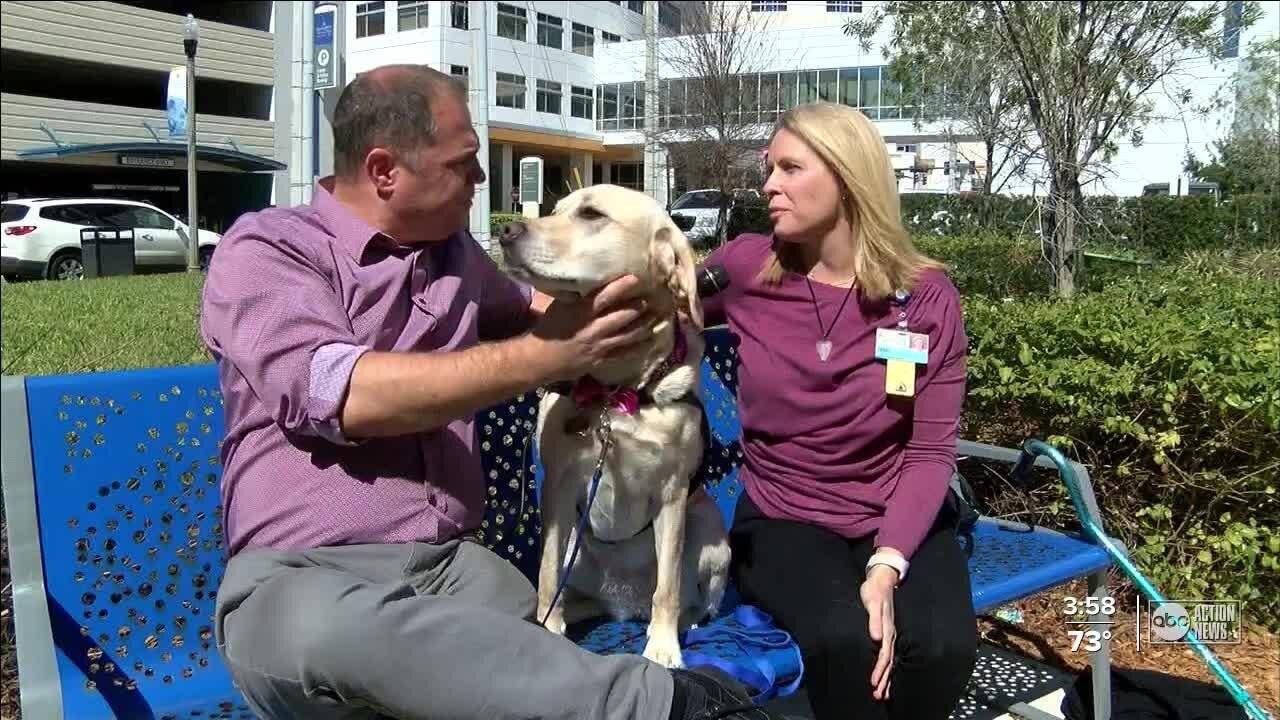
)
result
[(111, 490)]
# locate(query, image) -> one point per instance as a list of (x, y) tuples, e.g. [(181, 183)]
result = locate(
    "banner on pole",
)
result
[(176, 105)]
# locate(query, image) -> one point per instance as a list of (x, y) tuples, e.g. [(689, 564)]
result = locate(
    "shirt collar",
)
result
[(352, 234)]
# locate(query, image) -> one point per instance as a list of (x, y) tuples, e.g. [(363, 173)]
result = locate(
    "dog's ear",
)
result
[(673, 260)]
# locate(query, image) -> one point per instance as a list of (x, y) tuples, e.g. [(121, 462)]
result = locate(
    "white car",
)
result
[(40, 238), (703, 206)]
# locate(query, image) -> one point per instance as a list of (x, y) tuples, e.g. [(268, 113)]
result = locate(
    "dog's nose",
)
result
[(510, 231)]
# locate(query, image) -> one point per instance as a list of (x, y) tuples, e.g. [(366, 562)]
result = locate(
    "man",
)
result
[(355, 339)]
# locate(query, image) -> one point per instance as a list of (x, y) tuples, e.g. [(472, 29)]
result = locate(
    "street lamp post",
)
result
[(190, 39)]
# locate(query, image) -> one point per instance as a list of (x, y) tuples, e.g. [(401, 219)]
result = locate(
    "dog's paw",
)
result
[(665, 650)]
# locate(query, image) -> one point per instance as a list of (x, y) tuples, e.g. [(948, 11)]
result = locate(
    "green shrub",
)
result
[(496, 220), (1167, 386), (990, 264)]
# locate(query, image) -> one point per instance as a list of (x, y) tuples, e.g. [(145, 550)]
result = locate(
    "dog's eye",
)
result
[(589, 213)]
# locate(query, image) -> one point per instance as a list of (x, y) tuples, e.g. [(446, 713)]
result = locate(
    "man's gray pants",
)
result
[(412, 631)]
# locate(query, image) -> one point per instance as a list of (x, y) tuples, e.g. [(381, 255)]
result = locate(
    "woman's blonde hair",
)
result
[(852, 148)]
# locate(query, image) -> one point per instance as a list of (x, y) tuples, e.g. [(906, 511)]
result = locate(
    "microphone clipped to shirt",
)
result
[(711, 280)]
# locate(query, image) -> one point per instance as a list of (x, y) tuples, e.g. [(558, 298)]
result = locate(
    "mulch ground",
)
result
[(1042, 636)]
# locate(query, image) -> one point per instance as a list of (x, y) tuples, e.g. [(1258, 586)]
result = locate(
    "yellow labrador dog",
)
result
[(652, 549)]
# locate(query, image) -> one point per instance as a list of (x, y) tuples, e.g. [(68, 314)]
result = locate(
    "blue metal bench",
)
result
[(112, 501)]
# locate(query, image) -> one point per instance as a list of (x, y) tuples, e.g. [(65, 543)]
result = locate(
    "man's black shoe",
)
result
[(707, 693)]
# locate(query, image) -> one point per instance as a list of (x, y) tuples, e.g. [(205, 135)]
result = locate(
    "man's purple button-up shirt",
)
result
[(293, 298)]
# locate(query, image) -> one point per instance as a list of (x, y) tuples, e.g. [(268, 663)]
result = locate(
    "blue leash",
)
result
[(758, 635), (606, 442)]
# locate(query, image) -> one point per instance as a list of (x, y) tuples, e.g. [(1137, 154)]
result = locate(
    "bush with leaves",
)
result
[(1167, 386)]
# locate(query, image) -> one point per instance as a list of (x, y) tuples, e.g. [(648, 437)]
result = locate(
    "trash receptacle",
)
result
[(107, 251)]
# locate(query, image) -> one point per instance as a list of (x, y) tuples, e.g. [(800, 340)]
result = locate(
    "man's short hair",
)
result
[(388, 107)]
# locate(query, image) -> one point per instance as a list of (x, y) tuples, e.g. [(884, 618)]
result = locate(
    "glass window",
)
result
[(513, 22), (768, 97), (627, 106), (411, 15), (580, 102), (149, 219), (697, 200), (808, 86), (768, 6), (370, 19), (607, 96), (629, 175), (607, 37), (788, 85), (828, 85), (462, 74), (584, 39), (550, 31), (844, 7), (73, 214), (890, 97), (869, 86), (511, 90), (12, 212), (849, 86), (636, 6), (750, 94), (459, 15), (548, 97), (676, 106)]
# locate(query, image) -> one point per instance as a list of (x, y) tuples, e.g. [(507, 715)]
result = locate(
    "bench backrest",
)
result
[(126, 473)]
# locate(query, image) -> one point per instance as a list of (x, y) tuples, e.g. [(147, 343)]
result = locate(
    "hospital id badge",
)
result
[(902, 345), (900, 378)]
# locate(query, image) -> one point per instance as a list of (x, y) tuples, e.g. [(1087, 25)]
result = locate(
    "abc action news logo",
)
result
[(1212, 622)]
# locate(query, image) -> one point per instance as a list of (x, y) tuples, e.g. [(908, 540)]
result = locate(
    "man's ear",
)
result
[(673, 260), (379, 167)]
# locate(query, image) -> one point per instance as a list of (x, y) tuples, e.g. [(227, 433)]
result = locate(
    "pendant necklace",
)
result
[(824, 344)]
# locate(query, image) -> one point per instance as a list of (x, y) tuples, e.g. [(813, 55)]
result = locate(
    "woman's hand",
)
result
[(877, 598)]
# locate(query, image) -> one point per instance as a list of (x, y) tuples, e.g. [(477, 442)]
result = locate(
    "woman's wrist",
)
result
[(884, 575), (890, 559)]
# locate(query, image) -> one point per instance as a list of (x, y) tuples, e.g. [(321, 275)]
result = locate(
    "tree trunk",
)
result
[(985, 207), (1063, 255)]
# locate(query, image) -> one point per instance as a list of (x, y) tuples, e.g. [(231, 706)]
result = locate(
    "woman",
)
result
[(841, 533)]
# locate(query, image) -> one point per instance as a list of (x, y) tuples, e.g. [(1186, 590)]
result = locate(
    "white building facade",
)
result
[(564, 80)]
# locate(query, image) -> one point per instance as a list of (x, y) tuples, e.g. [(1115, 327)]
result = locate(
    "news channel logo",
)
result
[(1214, 622)]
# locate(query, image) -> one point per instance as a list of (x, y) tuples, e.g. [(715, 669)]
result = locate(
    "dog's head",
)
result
[(598, 234)]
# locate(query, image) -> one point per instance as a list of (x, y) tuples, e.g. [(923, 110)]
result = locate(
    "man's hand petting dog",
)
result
[(583, 333)]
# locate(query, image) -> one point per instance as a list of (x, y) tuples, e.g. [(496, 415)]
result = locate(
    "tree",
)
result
[(954, 81), (1086, 71), (701, 123), (1247, 160)]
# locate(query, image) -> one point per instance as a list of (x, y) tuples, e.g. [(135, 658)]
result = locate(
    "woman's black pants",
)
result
[(808, 579)]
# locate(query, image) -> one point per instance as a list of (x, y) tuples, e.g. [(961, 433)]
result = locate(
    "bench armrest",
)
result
[(1040, 454), (40, 689)]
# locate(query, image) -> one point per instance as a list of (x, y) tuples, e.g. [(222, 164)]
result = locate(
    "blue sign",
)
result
[(324, 58)]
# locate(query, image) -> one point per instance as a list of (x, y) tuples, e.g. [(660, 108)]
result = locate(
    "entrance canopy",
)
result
[(154, 155)]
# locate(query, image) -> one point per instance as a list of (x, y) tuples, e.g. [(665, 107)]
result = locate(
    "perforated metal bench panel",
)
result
[(126, 473)]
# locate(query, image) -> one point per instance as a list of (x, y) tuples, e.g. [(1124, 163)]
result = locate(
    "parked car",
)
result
[(703, 205), (40, 237)]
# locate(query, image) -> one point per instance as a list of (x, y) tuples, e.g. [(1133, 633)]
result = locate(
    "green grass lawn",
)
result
[(101, 324)]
